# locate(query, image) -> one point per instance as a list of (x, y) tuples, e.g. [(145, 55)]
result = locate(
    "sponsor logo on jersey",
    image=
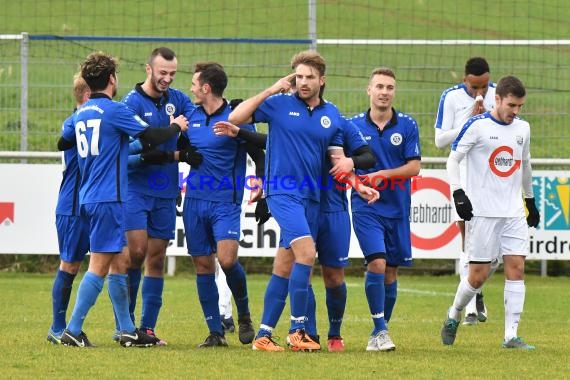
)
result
[(148, 114), (293, 113), (502, 162)]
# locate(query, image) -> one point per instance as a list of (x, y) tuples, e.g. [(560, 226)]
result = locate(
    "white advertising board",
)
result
[(28, 195)]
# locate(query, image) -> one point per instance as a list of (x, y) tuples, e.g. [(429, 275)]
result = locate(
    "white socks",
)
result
[(465, 293), (514, 303), (471, 307)]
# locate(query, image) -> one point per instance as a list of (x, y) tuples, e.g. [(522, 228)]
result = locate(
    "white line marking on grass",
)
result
[(425, 292), (408, 290)]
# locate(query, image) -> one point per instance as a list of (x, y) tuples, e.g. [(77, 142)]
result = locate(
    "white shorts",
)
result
[(488, 239)]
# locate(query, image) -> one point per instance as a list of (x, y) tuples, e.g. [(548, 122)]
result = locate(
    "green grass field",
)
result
[(423, 71), (415, 326)]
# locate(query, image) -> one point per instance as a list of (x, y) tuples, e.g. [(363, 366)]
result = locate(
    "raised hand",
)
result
[(225, 128)]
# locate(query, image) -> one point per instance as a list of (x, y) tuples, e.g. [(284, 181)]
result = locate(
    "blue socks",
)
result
[(336, 304), (311, 322), (89, 289), (151, 300), (119, 293), (60, 294), (390, 301), (273, 303), (374, 287), (208, 295), (298, 294), (235, 277), (134, 283)]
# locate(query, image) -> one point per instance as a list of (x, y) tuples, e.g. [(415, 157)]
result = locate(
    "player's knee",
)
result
[(333, 277), (70, 267), (137, 255), (154, 266), (376, 262)]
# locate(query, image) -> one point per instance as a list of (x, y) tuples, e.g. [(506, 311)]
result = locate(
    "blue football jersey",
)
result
[(156, 113), (333, 197), (297, 143), (68, 198), (221, 176), (102, 128), (393, 147)]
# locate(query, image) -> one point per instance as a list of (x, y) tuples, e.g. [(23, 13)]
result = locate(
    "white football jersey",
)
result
[(494, 153), (456, 107)]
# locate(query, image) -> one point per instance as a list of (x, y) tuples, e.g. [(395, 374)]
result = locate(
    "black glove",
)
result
[(191, 156), (146, 146), (533, 217), (178, 202), (262, 213), (462, 205), (152, 157), (234, 103)]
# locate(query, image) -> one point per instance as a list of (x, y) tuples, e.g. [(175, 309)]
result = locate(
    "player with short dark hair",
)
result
[(496, 145), (153, 186), (212, 203), (475, 95)]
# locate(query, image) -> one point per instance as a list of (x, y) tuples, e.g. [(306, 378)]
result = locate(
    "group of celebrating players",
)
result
[(112, 205)]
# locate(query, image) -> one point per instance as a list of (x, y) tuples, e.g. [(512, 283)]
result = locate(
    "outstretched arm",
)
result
[(224, 128)]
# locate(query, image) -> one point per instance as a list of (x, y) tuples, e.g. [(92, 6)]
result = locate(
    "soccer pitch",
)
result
[(415, 329)]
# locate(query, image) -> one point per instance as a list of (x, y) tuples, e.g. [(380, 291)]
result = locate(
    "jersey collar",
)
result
[(99, 95), (321, 101), (392, 123), (158, 102), (218, 111)]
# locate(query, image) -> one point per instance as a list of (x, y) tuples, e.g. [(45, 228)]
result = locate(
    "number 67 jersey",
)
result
[(101, 129), (495, 152)]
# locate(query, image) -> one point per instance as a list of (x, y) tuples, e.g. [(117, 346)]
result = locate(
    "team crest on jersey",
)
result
[(519, 140), (170, 109), (325, 122), (396, 139)]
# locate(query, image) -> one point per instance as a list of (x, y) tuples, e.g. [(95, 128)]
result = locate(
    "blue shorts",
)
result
[(378, 234), (106, 226), (333, 241), (155, 215), (73, 237), (296, 217), (207, 222)]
